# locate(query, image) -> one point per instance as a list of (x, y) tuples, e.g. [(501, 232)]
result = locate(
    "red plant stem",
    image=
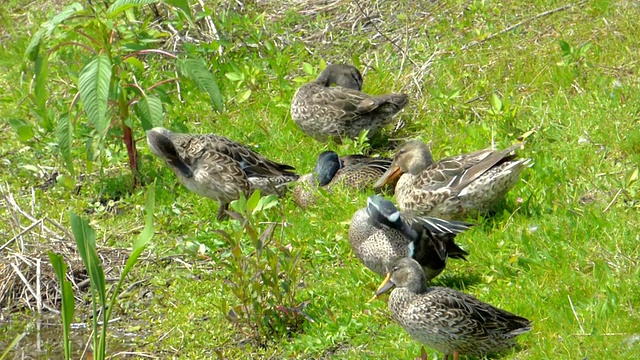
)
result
[(132, 151), (150, 51), (129, 141)]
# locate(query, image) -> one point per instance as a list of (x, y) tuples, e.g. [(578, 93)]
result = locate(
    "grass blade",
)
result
[(68, 301)]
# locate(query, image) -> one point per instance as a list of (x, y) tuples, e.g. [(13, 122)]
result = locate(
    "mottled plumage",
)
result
[(354, 171), (447, 320), (454, 187), (380, 234), (323, 111), (218, 168)]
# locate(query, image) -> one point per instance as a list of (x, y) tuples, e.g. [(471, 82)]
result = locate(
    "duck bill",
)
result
[(392, 174), (386, 285)]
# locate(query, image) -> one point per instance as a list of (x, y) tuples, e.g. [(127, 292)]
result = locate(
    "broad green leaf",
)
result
[(239, 205), (253, 200), (93, 85), (64, 134), (183, 5), (135, 63), (584, 48), (121, 5), (196, 70), (150, 112), (85, 238), (60, 17), (147, 232), (24, 130), (40, 89), (496, 103), (566, 48), (632, 177), (33, 49), (66, 181), (267, 202), (42, 77), (244, 96), (47, 28), (308, 68), (233, 76)]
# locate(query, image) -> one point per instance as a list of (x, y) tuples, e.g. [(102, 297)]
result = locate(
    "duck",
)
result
[(455, 187), (380, 234), (353, 171), (449, 321), (218, 168), (337, 112)]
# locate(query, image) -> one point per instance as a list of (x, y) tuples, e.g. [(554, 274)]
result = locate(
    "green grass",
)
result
[(544, 250)]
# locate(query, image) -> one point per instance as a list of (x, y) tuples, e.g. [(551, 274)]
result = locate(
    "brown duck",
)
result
[(323, 111), (218, 168), (454, 187), (447, 320)]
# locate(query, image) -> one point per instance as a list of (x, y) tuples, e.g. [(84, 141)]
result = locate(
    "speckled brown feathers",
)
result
[(454, 187), (343, 111), (218, 168), (379, 235), (447, 320)]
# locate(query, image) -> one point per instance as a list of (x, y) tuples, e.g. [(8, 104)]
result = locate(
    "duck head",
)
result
[(383, 211), (161, 145), (405, 273), (413, 157), (344, 75), (326, 168)]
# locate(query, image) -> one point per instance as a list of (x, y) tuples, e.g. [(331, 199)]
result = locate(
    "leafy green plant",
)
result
[(504, 110), (574, 56), (264, 275), (85, 238), (114, 51)]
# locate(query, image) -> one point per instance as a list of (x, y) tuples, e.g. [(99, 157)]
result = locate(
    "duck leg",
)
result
[(423, 355), (456, 355), (222, 215), (445, 357)]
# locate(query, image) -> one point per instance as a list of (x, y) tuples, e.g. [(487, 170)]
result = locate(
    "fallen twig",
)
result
[(575, 314), (542, 14)]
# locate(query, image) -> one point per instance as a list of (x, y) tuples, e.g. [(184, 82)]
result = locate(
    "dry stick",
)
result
[(16, 207), (24, 280), (575, 314), (137, 354), (27, 229), (542, 14), (612, 201), (38, 286), (67, 233), (383, 35), (14, 216)]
